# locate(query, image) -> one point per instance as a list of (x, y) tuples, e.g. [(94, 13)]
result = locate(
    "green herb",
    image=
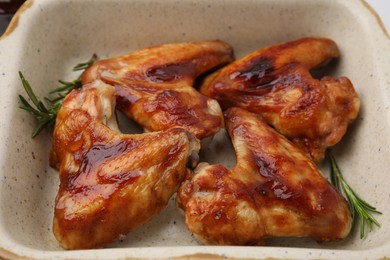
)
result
[(47, 114), (359, 208)]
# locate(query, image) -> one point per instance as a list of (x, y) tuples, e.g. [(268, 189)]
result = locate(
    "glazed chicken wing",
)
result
[(274, 190), (276, 83), (110, 182), (155, 85)]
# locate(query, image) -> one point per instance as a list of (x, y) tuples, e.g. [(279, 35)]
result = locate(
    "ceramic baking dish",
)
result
[(47, 38)]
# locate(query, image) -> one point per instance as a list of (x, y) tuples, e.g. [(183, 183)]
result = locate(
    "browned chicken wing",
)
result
[(110, 182), (274, 190), (155, 85), (276, 83)]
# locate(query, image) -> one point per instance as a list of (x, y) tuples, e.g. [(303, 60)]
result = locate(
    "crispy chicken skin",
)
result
[(276, 83), (110, 182), (274, 190), (155, 85)]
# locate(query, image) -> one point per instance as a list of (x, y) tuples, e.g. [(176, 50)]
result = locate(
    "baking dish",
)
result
[(47, 38)]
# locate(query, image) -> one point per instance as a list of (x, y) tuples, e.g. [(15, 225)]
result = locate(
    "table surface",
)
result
[(382, 7)]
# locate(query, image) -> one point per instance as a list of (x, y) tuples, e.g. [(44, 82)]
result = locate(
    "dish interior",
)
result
[(61, 34)]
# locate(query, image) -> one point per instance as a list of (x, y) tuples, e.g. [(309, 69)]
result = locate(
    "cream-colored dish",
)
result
[(47, 38)]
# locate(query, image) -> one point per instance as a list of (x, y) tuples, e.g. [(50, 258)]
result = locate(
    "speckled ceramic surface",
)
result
[(47, 38)]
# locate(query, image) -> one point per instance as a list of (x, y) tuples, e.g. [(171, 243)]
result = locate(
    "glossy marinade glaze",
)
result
[(110, 183), (276, 83), (155, 85), (274, 190)]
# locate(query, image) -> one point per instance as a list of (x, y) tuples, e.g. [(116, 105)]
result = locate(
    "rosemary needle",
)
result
[(47, 114), (359, 207)]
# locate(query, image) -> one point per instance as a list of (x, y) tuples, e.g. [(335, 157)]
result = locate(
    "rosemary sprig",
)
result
[(47, 114), (359, 207), (68, 86)]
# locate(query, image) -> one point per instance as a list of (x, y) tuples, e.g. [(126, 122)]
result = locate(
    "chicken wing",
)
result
[(110, 182), (276, 83), (274, 190), (155, 85)]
